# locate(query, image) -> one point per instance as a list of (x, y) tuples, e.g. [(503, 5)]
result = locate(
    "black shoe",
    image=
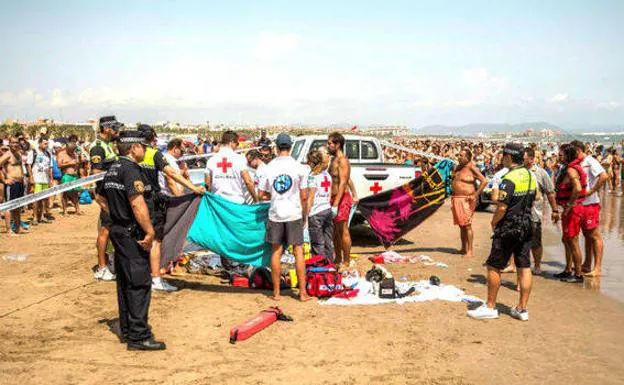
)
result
[(563, 275), (147, 345), (573, 279)]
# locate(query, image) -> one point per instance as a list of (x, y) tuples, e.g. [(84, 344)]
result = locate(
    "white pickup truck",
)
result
[(369, 173)]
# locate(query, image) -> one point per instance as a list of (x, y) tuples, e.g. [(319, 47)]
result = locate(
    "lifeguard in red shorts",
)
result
[(571, 189), (340, 171)]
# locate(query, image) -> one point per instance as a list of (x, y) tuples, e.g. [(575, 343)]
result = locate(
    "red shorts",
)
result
[(344, 208), (591, 217), (571, 222)]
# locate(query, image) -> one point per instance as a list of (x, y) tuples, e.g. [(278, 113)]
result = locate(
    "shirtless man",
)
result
[(464, 198), (11, 163), (341, 201), (69, 163)]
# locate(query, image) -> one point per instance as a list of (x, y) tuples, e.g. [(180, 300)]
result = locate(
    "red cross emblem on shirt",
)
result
[(375, 188), (224, 165), (325, 183)]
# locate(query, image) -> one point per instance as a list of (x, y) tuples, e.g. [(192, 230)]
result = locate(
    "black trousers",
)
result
[(134, 284)]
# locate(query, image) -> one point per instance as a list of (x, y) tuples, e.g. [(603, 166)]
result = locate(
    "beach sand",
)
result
[(55, 324)]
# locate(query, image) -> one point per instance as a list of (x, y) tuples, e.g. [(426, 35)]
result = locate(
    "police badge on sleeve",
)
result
[(139, 186)]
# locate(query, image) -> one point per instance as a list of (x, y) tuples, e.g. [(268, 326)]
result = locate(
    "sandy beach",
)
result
[(55, 324)]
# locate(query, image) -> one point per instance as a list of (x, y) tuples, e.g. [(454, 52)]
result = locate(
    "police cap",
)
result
[(132, 136)]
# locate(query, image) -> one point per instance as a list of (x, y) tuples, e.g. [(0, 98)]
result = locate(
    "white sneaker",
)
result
[(104, 274), (483, 312), (160, 284), (519, 315)]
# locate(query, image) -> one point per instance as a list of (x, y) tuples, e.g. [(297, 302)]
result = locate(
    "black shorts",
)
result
[(105, 219), (536, 239), (13, 191), (285, 233), (504, 248)]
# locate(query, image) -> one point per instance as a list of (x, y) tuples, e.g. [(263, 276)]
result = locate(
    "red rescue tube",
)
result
[(257, 323)]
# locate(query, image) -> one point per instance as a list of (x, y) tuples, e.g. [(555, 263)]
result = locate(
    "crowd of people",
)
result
[(487, 156), (522, 183), (140, 179)]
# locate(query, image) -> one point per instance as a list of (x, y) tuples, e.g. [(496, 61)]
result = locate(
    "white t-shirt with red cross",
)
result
[(322, 183), (225, 169), (284, 178)]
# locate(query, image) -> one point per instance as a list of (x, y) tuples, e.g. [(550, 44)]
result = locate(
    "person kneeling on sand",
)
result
[(512, 228)]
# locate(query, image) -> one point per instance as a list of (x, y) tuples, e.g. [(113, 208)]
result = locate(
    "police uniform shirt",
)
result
[(122, 181), (225, 169), (101, 155), (516, 192), (153, 163)]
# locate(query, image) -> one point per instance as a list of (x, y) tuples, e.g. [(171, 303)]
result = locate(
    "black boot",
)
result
[(149, 344)]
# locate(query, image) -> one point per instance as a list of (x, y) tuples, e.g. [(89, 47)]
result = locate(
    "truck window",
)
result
[(316, 144), (352, 149), (297, 149), (369, 151)]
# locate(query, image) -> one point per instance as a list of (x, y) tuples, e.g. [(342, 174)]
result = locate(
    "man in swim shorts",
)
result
[(68, 163), (464, 198), (341, 201)]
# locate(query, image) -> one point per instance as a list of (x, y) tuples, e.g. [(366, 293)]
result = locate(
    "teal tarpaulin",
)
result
[(232, 230)]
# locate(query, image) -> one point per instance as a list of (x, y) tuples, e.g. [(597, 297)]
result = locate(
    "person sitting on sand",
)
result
[(464, 198)]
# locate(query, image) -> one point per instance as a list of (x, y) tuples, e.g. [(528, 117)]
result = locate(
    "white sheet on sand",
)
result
[(425, 291)]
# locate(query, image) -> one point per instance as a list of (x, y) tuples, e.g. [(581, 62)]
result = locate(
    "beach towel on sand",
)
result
[(232, 230)]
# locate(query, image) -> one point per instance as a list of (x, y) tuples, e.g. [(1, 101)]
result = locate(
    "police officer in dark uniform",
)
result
[(152, 164), (512, 228), (132, 235), (102, 155)]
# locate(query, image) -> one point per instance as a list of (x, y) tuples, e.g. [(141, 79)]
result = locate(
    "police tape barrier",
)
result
[(415, 152), (28, 199)]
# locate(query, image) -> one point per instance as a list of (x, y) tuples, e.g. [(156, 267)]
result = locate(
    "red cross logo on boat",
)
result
[(375, 188), (224, 165), (325, 184)]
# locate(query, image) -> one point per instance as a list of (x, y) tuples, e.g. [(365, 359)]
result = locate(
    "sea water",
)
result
[(611, 282)]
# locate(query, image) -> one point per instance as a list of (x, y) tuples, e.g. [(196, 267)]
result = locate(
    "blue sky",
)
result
[(321, 62)]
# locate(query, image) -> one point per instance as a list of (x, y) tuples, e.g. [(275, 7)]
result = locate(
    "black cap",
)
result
[(132, 136), (147, 129), (513, 149), (110, 122)]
